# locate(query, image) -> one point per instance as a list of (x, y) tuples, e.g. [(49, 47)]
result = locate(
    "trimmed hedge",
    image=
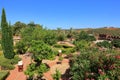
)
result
[(62, 46), (3, 75)]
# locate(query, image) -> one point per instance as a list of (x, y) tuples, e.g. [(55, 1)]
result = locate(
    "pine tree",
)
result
[(7, 39)]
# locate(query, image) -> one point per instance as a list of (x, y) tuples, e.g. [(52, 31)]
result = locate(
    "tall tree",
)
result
[(7, 39)]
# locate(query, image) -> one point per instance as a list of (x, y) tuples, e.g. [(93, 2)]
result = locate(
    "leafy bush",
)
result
[(41, 69), (81, 45), (61, 37), (41, 51), (65, 48), (95, 65), (15, 60), (57, 75), (104, 44), (8, 64), (68, 50), (116, 43), (50, 37), (3, 75), (34, 69), (30, 70), (84, 36), (21, 47)]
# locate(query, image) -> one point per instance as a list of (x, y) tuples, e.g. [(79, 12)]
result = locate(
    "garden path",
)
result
[(62, 67), (15, 74)]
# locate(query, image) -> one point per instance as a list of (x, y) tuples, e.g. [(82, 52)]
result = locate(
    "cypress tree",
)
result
[(7, 39)]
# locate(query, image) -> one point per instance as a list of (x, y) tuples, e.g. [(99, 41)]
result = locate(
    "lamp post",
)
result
[(60, 52)]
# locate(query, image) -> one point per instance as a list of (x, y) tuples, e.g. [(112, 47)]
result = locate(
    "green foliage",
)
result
[(36, 70), (31, 70), (41, 51), (8, 64), (95, 65), (116, 43), (3, 75), (21, 47), (7, 39), (60, 58), (57, 75), (61, 37), (48, 36), (26, 35), (66, 49), (104, 44), (17, 27), (41, 69), (84, 36), (82, 45)]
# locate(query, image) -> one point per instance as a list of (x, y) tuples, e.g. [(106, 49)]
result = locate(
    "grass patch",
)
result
[(7, 64), (3, 75)]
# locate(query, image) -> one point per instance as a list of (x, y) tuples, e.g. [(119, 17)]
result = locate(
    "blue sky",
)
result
[(64, 13)]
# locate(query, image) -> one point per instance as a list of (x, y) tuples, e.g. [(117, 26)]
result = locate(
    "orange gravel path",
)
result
[(15, 75)]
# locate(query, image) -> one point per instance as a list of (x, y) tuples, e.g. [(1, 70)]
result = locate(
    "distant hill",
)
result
[(106, 30)]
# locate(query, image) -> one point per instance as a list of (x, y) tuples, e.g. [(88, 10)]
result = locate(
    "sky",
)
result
[(63, 13)]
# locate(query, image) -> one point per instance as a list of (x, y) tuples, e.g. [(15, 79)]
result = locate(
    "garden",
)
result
[(63, 54)]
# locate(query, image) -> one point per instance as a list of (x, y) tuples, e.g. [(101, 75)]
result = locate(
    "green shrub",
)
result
[(8, 64), (57, 45), (15, 60), (57, 75), (34, 69), (95, 65), (60, 58), (82, 45), (104, 44), (21, 47), (68, 50), (3, 75), (116, 43), (65, 48)]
